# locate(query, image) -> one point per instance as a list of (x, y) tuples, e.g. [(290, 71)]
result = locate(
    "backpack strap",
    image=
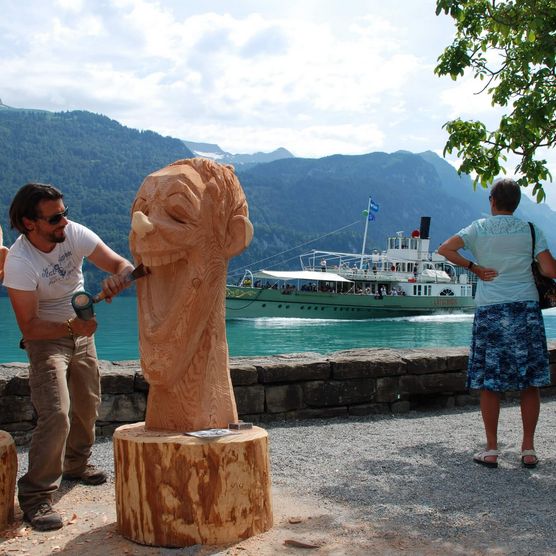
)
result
[(533, 238)]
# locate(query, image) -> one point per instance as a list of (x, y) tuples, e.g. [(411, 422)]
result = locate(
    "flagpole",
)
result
[(365, 234)]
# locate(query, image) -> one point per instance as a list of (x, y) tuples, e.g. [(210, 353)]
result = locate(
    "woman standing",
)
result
[(508, 347)]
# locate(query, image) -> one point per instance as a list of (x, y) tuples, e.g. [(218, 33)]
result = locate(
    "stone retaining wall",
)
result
[(281, 387)]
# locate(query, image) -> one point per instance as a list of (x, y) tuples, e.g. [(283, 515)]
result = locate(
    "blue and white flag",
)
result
[(374, 206)]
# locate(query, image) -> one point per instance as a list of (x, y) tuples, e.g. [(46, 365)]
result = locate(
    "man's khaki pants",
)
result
[(65, 390)]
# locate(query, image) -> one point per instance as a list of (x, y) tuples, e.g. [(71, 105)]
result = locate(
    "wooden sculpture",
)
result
[(188, 220), (8, 473)]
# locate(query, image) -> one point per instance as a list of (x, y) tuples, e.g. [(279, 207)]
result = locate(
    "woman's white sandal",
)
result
[(529, 464), (480, 458)]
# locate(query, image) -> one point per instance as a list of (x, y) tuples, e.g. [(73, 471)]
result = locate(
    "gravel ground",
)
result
[(400, 485)]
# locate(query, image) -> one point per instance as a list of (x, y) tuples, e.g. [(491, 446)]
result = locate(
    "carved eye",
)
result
[(176, 208)]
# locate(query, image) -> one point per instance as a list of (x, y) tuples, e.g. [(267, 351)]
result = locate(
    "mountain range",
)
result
[(214, 152), (296, 204)]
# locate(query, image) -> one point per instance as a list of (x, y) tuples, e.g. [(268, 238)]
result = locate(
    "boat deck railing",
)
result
[(364, 275)]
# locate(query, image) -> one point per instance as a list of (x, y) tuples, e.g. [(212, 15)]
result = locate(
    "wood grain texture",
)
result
[(174, 490), (189, 219), (8, 474)]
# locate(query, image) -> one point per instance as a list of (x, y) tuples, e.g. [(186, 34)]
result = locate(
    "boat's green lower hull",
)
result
[(256, 302)]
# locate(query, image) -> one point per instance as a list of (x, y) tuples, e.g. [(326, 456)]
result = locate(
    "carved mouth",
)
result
[(152, 260), (162, 294)]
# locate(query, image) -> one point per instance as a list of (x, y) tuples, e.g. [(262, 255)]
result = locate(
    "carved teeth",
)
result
[(161, 260)]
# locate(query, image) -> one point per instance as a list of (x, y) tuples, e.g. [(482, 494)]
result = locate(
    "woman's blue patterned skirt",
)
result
[(508, 348)]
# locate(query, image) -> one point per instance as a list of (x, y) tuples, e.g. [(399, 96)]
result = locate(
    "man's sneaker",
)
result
[(91, 476), (44, 518)]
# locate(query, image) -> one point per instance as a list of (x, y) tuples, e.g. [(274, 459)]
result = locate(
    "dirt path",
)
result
[(91, 530)]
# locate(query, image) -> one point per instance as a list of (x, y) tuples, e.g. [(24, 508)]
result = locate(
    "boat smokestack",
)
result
[(425, 226)]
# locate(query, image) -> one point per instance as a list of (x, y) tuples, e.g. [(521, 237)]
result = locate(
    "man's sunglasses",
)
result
[(55, 218)]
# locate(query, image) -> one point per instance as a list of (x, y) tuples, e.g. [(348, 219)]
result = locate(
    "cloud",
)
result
[(317, 77)]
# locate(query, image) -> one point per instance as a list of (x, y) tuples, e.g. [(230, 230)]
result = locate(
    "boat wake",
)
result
[(437, 318), (289, 322)]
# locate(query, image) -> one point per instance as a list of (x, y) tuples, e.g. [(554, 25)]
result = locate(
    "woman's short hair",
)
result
[(26, 201), (506, 194)]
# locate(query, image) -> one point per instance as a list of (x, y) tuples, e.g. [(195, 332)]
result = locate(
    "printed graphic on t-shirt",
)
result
[(62, 270)]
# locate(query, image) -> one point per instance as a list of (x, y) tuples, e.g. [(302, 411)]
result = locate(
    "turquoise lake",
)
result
[(116, 337)]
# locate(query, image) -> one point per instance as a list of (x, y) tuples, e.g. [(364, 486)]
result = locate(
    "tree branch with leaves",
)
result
[(512, 45)]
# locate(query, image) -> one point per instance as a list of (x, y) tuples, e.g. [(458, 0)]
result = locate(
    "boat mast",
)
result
[(365, 234)]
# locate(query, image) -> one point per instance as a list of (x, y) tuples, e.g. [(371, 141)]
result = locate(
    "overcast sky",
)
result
[(317, 77)]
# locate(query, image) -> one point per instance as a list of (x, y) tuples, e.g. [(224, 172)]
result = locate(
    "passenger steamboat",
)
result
[(406, 279)]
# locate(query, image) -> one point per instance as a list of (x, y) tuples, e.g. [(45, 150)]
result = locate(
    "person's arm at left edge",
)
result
[(450, 249), (3, 255), (108, 260)]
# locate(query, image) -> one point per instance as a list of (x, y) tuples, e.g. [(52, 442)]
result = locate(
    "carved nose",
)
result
[(141, 224)]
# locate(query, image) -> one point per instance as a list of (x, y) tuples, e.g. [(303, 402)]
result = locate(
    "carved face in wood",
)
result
[(188, 220)]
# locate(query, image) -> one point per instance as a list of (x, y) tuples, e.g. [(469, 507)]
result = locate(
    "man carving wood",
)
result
[(189, 219)]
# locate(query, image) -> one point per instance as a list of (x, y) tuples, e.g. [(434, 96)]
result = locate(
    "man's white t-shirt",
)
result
[(56, 276)]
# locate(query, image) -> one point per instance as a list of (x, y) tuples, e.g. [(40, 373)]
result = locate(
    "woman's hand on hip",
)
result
[(484, 273)]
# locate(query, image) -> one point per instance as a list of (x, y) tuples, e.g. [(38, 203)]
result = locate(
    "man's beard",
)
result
[(55, 238)]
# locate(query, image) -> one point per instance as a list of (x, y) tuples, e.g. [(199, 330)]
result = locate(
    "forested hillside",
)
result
[(294, 200), (96, 162), (294, 203)]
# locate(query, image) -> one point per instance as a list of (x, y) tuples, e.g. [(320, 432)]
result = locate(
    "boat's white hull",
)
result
[(247, 302)]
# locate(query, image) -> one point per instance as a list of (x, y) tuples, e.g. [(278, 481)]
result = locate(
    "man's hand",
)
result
[(82, 327), (114, 284), (104, 258)]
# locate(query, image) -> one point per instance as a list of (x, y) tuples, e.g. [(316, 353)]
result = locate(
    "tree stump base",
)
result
[(175, 490), (8, 474)]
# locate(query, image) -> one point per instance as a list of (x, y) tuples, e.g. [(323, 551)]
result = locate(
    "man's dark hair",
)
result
[(26, 201), (506, 194)]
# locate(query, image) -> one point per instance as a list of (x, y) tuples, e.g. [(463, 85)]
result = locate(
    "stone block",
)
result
[(128, 363), (430, 403), (249, 399), (371, 363), (423, 361), (283, 398), (552, 351), (9, 372), (22, 438), (14, 409), (252, 418), (338, 392), (293, 367), (140, 384), (322, 413), (243, 375), (466, 399), (548, 391), (19, 385), (23, 426), (117, 380), (553, 373), (433, 383), (127, 408), (387, 389), (369, 409), (400, 407)]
